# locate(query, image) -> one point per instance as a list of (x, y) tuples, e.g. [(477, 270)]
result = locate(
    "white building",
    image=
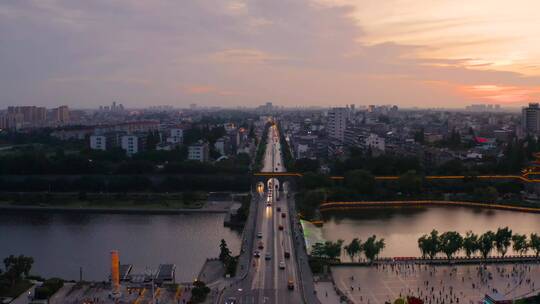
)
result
[(130, 144), (374, 141), (176, 136), (198, 152), (530, 119), (98, 142), (337, 122), (222, 145)]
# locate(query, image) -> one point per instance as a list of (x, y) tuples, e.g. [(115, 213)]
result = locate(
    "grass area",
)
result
[(13, 292), (114, 201)]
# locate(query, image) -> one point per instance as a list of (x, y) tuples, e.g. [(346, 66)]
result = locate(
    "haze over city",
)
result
[(269, 152), (291, 52)]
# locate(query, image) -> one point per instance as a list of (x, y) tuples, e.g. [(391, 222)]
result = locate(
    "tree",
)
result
[(486, 242), (224, 252), (318, 250), (429, 244), (199, 292), (489, 194), (503, 237), (333, 249), (16, 267), (419, 136), (534, 243), (360, 180), (470, 243), (520, 244), (311, 180), (410, 183), (306, 165), (373, 247), (310, 202), (451, 242), (354, 248)]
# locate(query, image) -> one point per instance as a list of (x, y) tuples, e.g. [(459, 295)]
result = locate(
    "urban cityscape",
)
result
[(245, 152)]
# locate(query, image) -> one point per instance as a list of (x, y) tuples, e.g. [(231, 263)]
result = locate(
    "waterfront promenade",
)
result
[(436, 283)]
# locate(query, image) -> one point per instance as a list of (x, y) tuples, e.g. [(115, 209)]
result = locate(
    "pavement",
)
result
[(262, 280), (23, 297), (469, 283), (326, 293)]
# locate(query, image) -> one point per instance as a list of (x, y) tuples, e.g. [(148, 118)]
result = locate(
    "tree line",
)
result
[(451, 242), (371, 249), (126, 183), (116, 162)]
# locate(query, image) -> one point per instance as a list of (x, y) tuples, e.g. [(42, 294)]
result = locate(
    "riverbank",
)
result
[(444, 261), (336, 206), (152, 203), (112, 210)]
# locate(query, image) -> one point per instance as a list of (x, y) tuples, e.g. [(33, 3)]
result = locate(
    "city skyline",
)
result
[(243, 53)]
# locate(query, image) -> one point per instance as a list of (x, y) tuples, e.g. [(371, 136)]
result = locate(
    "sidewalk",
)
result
[(23, 298), (326, 293)]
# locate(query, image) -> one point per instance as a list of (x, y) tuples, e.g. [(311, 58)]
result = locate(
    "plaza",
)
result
[(436, 284)]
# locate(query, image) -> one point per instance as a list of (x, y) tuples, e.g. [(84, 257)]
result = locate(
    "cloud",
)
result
[(293, 52)]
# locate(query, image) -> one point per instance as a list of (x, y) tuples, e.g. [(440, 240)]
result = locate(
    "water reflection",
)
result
[(61, 243), (401, 227)]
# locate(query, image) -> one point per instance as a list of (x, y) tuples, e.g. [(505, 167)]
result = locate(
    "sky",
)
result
[(425, 53)]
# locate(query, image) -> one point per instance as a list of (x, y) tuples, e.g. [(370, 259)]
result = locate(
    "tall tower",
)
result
[(115, 273), (530, 119), (337, 123)]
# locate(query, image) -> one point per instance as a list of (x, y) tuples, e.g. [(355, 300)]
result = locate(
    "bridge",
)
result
[(273, 267)]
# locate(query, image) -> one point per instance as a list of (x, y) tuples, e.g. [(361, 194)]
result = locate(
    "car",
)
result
[(267, 256), (259, 235), (280, 227), (290, 284), (283, 214), (261, 246), (287, 254), (279, 209), (257, 254), (281, 265), (231, 300)]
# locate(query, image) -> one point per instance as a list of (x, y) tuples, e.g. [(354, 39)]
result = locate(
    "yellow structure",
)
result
[(115, 272)]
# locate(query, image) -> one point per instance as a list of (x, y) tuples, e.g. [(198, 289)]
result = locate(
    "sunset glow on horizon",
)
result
[(291, 52)]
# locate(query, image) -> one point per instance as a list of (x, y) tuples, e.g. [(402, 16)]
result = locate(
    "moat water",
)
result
[(401, 227)]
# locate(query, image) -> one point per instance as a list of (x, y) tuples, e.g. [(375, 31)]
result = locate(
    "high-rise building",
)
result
[(133, 144), (530, 119), (176, 136), (60, 114), (11, 121), (98, 142), (30, 114), (337, 122)]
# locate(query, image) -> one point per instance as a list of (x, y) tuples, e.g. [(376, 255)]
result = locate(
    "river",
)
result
[(61, 243), (401, 227)]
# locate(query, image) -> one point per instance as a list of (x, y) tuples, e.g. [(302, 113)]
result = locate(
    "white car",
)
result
[(281, 265), (259, 235)]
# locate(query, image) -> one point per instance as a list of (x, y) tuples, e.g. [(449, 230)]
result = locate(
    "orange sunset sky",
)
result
[(291, 52)]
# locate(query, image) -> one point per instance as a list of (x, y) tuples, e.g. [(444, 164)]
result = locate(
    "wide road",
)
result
[(267, 280)]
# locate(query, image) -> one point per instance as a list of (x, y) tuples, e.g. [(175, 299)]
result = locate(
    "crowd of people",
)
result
[(437, 284)]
